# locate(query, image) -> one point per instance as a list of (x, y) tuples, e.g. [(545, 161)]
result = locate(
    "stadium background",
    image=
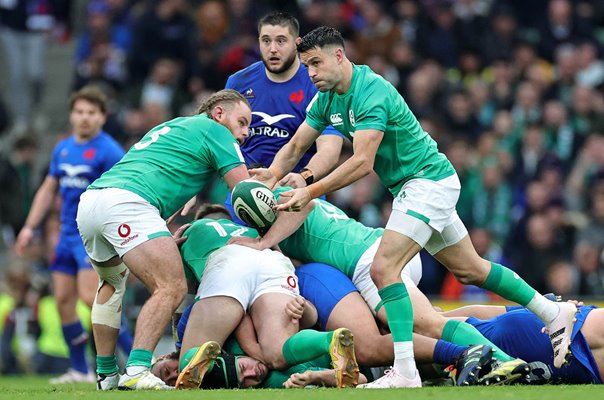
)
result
[(511, 90)]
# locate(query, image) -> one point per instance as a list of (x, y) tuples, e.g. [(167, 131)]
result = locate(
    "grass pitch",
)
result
[(15, 388)]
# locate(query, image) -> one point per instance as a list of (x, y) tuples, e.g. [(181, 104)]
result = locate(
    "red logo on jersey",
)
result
[(89, 154), (124, 230), (291, 281), (296, 97)]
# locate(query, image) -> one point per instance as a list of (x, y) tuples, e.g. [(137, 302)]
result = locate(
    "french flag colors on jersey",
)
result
[(277, 111), (77, 165)]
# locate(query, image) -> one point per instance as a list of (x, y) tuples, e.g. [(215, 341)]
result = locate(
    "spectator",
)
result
[(379, 33), (590, 67), (162, 88), (560, 26), (22, 31), (163, 30), (587, 257), (102, 48), (539, 252)]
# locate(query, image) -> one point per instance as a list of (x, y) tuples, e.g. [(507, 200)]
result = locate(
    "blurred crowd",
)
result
[(512, 91)]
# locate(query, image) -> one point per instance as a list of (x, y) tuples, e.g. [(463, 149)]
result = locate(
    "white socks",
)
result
[(404, 362), (545, 309)]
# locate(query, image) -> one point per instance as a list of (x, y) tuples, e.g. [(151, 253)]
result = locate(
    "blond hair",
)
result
[(224, 97)]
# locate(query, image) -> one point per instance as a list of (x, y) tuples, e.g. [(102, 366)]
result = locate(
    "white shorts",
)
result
[(114, 221), (246, 274), (411, 275), (424, 211)]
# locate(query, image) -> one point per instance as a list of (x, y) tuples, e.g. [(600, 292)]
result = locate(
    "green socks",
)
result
[(140, 357), (399, 311), (306, 345), (106, 365), (464, 334), (506, 283)]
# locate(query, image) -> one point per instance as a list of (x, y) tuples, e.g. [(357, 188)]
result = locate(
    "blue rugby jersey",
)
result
[(278, 109), (77, 165), (518, 333)]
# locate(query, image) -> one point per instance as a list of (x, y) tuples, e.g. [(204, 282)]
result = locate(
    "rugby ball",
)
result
[(253, 203)]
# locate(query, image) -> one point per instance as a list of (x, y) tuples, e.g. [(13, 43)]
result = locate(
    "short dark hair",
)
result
[(92, 94), (321, 37), (207, 209), (222, 97), (280, 18)]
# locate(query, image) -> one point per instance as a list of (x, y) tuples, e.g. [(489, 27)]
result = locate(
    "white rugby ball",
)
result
[(253, 203)]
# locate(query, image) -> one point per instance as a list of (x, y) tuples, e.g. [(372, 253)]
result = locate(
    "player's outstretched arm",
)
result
[(42, 202), (360, 164), (289, 155)]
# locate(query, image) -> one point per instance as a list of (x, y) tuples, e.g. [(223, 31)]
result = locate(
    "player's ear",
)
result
[(298, 40), (218, 113), (339, 53)]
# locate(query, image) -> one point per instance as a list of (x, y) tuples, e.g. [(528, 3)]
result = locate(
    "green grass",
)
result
[(38, 388)]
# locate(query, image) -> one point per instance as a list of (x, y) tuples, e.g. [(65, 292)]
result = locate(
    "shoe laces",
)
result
[(391, 372)]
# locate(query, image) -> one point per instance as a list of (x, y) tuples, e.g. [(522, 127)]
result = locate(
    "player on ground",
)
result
[(279, 92), (238, 280), (76, 162), (121, 221), (388, 139), (322, 233), (518, 332)]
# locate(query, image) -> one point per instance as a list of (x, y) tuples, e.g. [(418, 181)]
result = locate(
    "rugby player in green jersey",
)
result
[(121, 219), (388, 139), (322, 233), (234, 282)]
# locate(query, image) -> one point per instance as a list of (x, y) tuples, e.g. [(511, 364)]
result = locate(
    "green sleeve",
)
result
[(315, 116), (222, 150), (373, 110)]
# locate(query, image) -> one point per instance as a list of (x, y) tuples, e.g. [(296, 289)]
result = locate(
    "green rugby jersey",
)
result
[(329, 236), (174, 161), (371, 102), (204, 237)]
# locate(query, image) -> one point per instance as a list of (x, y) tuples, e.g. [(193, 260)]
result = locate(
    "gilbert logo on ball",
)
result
[(253, 203)]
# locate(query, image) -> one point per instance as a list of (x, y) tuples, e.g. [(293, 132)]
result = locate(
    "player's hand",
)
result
[(294, 180), (577, 303), (23, 240), (298, 198), (295, 308), (299, 381), (264, 175), (184, 210), (178, 234), (247, 241)]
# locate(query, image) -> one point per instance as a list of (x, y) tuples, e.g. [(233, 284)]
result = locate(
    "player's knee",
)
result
[(382, 274), (107, 306), (275, 360)]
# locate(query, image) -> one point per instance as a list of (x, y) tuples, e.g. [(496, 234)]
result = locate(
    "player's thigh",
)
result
[(212, 318), (463, 262), (371, 347), (273, 325), (424, 206), (157, 264), (393, 253), (324, 286)]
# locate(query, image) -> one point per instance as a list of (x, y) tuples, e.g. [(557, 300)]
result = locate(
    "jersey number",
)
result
[(143, 144), (222, 232), (332, 212)]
